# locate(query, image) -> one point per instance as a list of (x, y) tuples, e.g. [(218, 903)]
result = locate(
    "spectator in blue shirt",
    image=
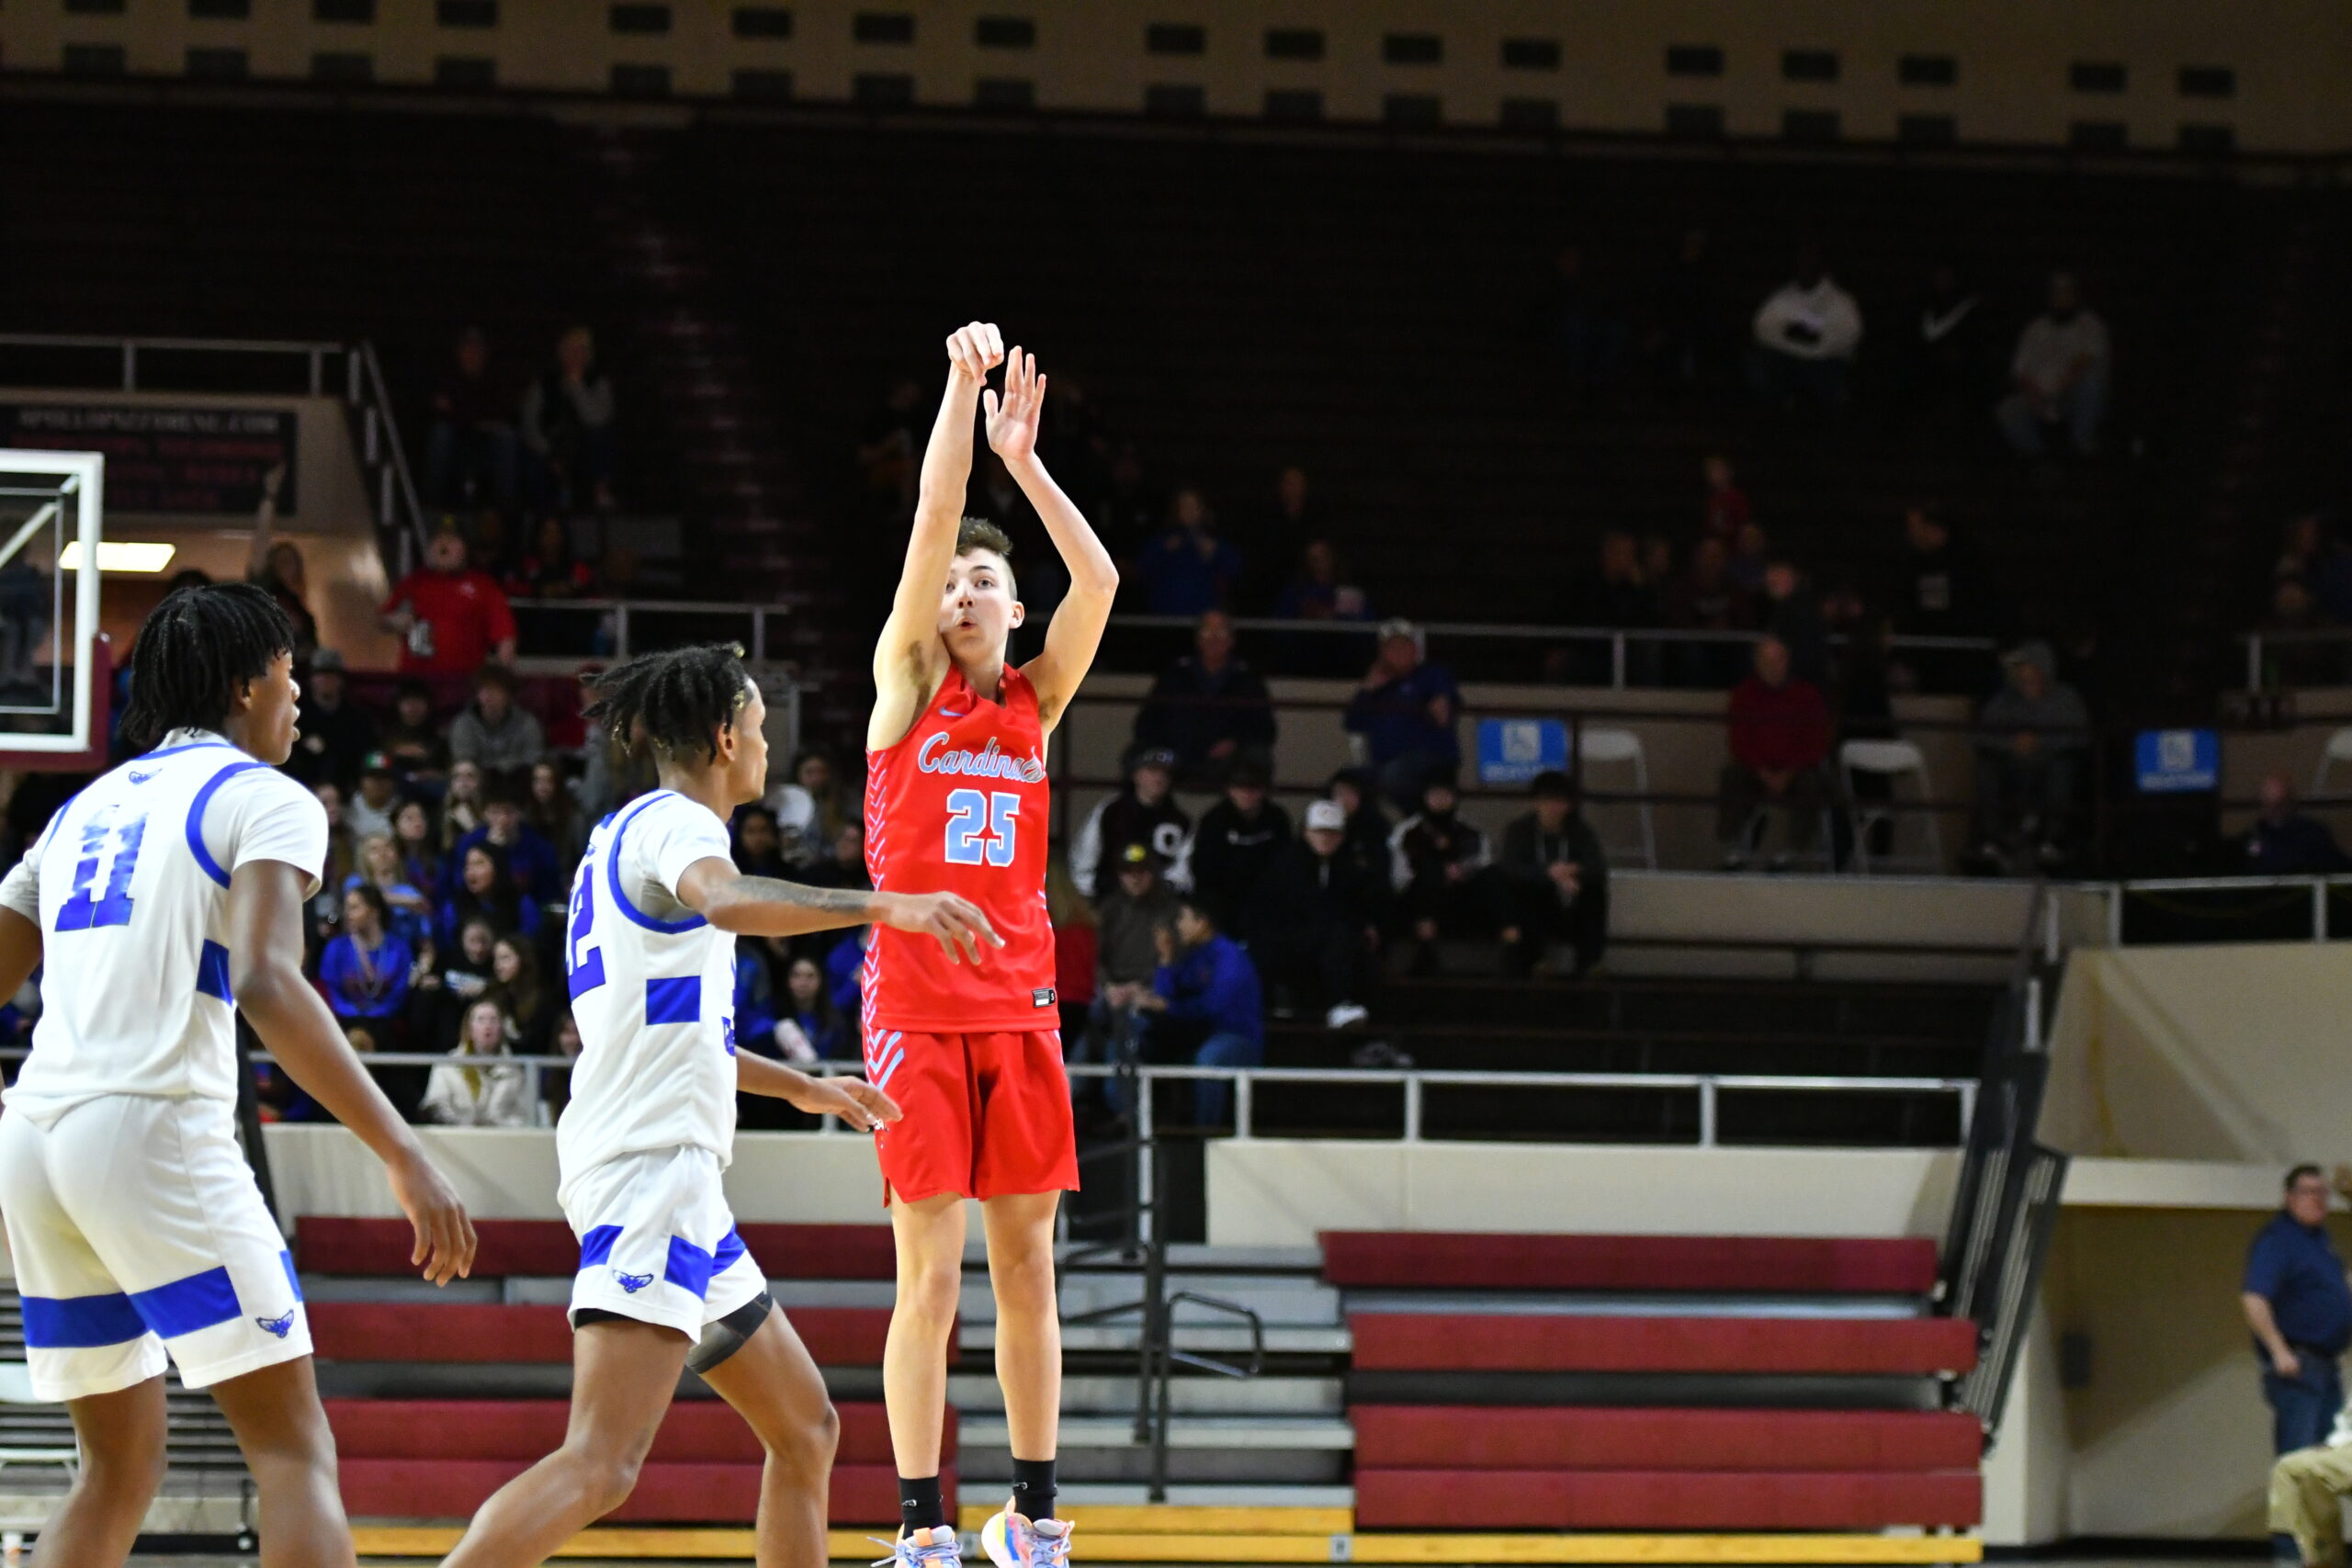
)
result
[(485, 891), (530, 859), (845, 968), (365, 970), (807, 1007), (1185, 569), (1208, 981), (1404, 711), (2299, 1303)]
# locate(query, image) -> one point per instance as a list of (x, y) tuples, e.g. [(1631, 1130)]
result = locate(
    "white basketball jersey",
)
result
[(130, 883), (652, 991)]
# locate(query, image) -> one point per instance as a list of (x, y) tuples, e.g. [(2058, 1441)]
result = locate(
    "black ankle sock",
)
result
[(920, 1508), (1033, 1488)]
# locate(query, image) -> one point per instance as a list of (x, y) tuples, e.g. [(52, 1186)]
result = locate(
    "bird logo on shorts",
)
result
[(633, 1283), (281, 1326)]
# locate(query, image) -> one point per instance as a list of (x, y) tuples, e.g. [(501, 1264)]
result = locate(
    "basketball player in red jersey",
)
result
[(955, 801)]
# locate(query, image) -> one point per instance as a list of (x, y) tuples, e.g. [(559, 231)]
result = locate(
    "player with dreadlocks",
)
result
[(169, 887), (665, 1284)]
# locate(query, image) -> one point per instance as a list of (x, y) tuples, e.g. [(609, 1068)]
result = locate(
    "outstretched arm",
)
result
[(1076, 628), (265, 524), (855, 1102), (763, 906), (909, 658), (266, 901)]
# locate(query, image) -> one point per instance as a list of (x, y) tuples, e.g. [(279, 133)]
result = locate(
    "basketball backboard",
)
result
[(52, 672)]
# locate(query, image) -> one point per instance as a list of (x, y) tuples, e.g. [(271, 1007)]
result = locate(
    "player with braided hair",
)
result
[(169, 887), (665, 1284)]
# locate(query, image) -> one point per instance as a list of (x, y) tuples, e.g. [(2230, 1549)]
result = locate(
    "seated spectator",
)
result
[(2061, 370), (1726, 510), (1751, 552), (495, 731), (1792, 611), (277, 565), (1320, 592), (812, 808), (1941, 589), (549, 569), (1705, 598), (451, 619), (2307, 1490), (842, 865), (755, 1018), (2288, 660), (333, 734), (555, 815), (469, 451), (1206, 1006), (418, 842), (1588, 323), (759, 848), (1286, 529), (1405, 710), (567, 442), (2284, 841), (1779, 733), (2033, 733), (1126, 953), (1807, 333), (808, 1013), (1618, 596), (494, 1093), (1229, 852), (365, 970), (1319, 912), (1144, 812), (370, 811), (890, 446), (1555, 880), (1435, 860), (1185, 569), (410, 912), (419, 749), (1210, 708), (531, 859), (515, 985), (459, 974), (485, 890), (1352, 790)]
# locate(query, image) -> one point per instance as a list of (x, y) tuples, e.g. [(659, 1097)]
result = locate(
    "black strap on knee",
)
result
[(730, 1334)]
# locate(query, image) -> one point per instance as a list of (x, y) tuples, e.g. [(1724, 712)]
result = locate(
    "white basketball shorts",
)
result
[(657, 1242), (136, 1227)]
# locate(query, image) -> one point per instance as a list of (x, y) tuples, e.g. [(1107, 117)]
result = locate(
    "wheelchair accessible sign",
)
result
[(2177, 762), (1513, 750)]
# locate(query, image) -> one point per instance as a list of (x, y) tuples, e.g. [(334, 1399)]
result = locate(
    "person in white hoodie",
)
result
[(1807, 333)]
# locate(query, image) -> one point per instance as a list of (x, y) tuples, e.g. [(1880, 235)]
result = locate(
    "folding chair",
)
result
[(1622, 746), (1889, 759)]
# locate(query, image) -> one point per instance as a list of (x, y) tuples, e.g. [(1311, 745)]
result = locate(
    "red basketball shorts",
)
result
[(987, 1115)]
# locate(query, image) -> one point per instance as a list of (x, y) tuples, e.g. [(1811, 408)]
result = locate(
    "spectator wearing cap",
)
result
[(1210, 708), (419, 751), (2297, 1302), (496, 733), (528, 858), (1778, 729), (1437, 864), (1404, 711), (1144, 812), (1206, 990), (451, 619), (370, 810), (1319, 909), (1137, 903), (1229, 852), (334, 734), (1555, 880)]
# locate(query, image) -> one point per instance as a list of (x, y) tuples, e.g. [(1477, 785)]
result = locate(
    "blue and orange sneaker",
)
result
[(1014, 1542), (933, 1548)]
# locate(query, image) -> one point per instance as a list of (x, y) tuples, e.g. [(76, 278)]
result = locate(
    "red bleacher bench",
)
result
[(1446, 1437), (1664, 1499), (442, 1459), (477, 1332), (1436, 1260), (1498, 1342), (334, 1245)]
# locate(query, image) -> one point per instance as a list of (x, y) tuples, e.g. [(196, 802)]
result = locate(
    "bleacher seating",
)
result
[(1818, 1408)]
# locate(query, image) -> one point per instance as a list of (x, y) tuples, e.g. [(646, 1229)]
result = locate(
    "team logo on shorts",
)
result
[(281, 1326), (633, 1283)]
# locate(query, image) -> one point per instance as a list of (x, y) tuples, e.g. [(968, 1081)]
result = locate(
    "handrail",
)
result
[(616, 614)]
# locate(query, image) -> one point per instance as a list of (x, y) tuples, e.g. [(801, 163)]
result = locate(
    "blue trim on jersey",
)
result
[(286, 1260), (674, 999), (186, 1305), (212, 971), (196, 816), (81, 1323), (729, 1249), (596, 1246), (613, 875), (688, 1267)]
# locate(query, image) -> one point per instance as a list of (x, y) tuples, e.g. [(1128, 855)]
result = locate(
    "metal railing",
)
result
[(2238, 901), (614, 628), (2259, 644)]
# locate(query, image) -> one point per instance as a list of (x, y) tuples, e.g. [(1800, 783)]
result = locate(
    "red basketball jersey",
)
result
[(959, 806)]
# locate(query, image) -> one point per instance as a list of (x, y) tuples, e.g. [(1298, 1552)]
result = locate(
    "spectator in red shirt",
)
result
[(1780, 737), (451, 619)]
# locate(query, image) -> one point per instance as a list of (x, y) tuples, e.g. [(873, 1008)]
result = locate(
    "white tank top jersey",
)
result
[(652, 991), (129, 885)]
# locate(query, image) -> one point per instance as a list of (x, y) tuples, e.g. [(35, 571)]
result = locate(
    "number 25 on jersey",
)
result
[(980, 827)]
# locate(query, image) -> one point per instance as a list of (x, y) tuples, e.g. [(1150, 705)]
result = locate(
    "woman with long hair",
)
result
[(461, 1094), (514, 982), (485, 890), (419, 842), (461, 807), (365, 970), (553, 811), (806, 1007), (380, 867)]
